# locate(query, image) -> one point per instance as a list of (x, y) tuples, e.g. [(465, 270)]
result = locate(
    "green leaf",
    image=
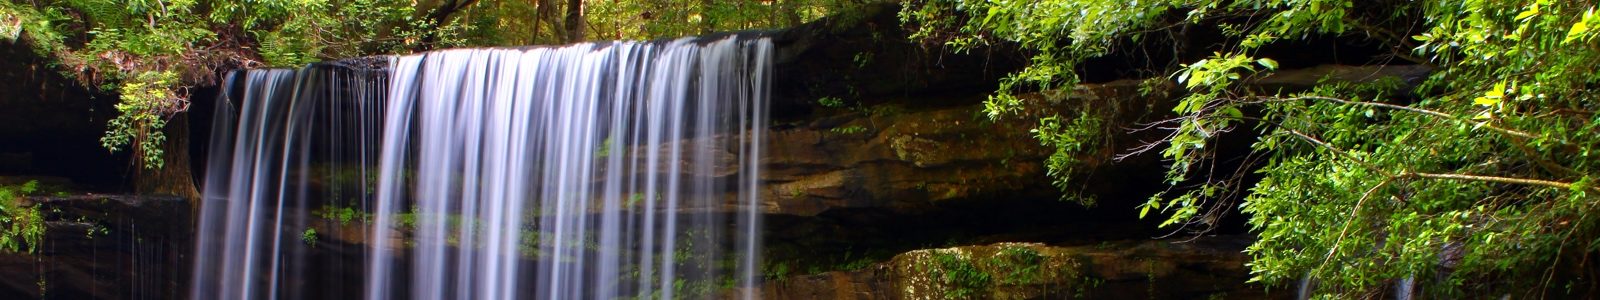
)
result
[(1486, 101), (1532, 11), (1233, 112), (1492, 96), (1578, 30), (1268, 62), (29, 187), (993, 10)]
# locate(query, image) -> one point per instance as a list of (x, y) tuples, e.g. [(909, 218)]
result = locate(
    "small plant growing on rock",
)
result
[(309, 237), (831, 102), (777, 271), (95, 228), (852, 129), (862, 59), (961, 278), (1022, 265), (21, 228)]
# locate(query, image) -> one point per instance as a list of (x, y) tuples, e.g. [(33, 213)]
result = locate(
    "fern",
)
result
[(102, 11)]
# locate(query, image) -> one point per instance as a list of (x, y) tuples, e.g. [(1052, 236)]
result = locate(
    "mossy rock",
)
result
[(998, 271), (1196, 268)]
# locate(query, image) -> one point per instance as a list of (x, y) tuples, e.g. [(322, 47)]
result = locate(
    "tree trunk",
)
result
[(574, 21), (790, 12), (440, 16), (542, 11), (705, 17), (174, 177)]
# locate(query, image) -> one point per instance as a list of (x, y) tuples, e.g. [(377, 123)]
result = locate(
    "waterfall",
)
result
[(600, 170)]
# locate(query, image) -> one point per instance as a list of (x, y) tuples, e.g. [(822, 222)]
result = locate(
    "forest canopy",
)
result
[(150, 52)]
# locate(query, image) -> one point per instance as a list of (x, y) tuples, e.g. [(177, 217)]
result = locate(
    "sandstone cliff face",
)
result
[(911, 154), (902, 161), (1205, 268)]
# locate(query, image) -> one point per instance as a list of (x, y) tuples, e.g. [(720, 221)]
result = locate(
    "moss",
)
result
[(309, 236), (786, 259), (848, 130), (1025, 265), (959, 275), (1001, 271)]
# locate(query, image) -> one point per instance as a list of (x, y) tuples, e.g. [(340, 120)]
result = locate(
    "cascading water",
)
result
[(606, 170)]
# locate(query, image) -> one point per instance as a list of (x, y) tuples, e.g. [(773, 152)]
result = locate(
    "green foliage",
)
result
[(94, 230), (309, 236), (1020, 265), (1045, 26), (10, 23), (21, 228), (1069, 138), (152, 51), (1480, 180), (854, 107), (776, 270), (852, 129), (671, 18), (633, 201), (831, 102), (146, 101), (345, 215), (862, 59), (961, 278)]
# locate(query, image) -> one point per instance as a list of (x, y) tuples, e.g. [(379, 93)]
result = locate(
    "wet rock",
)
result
[(103, 247)]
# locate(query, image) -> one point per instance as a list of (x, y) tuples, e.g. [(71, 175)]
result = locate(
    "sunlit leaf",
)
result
[(1268, 62), (1578, 30), (1486, 101), (1532, 11)]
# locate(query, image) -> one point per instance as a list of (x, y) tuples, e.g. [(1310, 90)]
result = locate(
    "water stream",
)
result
[(599, 170)]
